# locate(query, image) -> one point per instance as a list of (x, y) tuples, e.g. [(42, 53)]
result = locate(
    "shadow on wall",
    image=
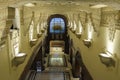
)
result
[(79, 70)]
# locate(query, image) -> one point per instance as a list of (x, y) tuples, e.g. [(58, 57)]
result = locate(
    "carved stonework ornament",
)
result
[(112, 33), (110, 19)]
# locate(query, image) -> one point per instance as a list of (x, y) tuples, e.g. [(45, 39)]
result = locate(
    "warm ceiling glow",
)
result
[(98, 6), (30, 5), (105, 55)]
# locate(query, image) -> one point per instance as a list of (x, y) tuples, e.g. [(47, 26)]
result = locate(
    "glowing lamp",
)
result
[(33, 42), (19, 59), (107, 59), (78, 35), (87, 42)]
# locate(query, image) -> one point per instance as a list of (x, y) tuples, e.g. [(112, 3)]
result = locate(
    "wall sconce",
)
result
[(78, 35), (107, 59), (42, 30), (73, 30), (19, 59), (39, 35), (33, 42), (87, 42), (45, 27)]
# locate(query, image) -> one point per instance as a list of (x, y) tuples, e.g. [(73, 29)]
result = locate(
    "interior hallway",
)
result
[(67, 39)]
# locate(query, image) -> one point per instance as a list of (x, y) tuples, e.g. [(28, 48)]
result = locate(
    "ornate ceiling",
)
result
[(61, 6), (17, 3)]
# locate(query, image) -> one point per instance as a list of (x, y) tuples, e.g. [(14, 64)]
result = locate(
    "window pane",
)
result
[(57, 25)]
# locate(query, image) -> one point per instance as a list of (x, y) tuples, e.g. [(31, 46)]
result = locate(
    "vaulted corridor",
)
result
[(59, 39)]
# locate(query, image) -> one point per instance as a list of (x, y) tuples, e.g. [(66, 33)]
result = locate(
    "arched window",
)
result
[(57, 25)]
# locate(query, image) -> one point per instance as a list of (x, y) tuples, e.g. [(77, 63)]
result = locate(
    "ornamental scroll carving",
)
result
[(3, 28), (110, 19)]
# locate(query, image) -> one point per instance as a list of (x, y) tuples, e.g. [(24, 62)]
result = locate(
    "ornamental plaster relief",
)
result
[(110, 19)]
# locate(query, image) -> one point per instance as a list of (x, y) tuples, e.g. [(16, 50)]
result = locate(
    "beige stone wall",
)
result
[(7, 70), (100, 42), (4, 64)]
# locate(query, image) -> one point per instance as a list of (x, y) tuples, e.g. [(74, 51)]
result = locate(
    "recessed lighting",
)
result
[(30, 4), (98, 6)]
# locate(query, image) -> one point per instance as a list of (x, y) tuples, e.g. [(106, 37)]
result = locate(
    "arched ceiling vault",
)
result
[(57, 5)]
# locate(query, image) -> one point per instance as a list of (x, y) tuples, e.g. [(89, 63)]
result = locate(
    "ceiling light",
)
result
[(30, 5), (98, 6)]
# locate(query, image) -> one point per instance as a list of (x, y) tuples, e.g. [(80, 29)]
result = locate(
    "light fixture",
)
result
[(33, 42), (43, 30), (30, 4), (39, 35), (19, 59), (87, 42), (78, 35), (97, 5), (107, 59), (13, 28)]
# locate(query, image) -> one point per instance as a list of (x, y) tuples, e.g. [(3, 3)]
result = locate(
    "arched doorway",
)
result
[(57, 27)]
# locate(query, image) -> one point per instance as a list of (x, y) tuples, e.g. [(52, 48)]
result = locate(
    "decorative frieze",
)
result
[(111, 20), (11, 13), (3, 28)]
